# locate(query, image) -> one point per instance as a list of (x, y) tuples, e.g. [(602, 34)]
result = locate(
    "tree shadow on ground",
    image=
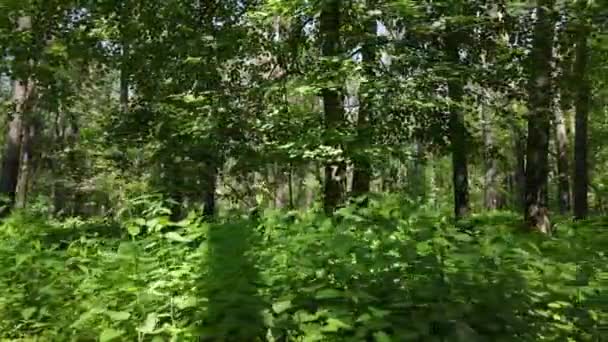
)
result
[(234, 308)]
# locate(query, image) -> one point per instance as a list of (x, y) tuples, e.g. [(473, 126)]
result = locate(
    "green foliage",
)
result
[(388, 272)]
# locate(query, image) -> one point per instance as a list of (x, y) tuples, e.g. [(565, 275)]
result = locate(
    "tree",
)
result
[(539, 119), (560, 105), (23, 97), (335, 170), (362, 174), (582, 103), (458, 133)]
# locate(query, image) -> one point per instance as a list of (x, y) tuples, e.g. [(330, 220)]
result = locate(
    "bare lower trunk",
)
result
[(362, 174), (519, 174), (335, 171), (539, 120), (491, 164), (10, 163), (26, 166), (417, 181), (22, 97), (581, 172), (563, 167), (281, 188), (209, 191), (457, 128)]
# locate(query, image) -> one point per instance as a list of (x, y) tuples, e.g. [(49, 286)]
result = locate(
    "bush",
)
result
[(386, 272)]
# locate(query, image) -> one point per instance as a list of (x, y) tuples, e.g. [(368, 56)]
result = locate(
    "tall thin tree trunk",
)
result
[(539, 120), (335, 171), (460, 173), (209, 191), (362, 169), (491, 164), (519, 174), (563, 167), (561, 66), (416, 174), (26, 166), (124, 61), (583, 99)]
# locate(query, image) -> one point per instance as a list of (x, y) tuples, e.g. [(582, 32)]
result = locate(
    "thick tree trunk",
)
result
[(583, 97), (539, 120), (10, 162), (460, 173), (362, 169), (335, 171), (491, 194), (22, 97), (563, 167)]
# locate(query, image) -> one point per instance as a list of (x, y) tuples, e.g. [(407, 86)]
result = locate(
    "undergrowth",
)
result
[(388, 272)]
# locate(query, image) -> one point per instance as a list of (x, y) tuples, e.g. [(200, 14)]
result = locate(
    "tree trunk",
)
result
[(362, 169), (539, 120), (491, 164), (583, 98), (22, 97), (519, 174), (209, 191), (561, 145), (560, 105), (335, 171), (460, 173), (26, 166), (416, 174), (124, 60)]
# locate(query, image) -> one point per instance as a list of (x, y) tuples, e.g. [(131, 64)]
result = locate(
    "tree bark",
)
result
[(124, 60), (560, 105), (491, 194), (539, 120), (26, 165), (22, 97), (583, 99), (519, 174), (563, 167), (335, 171), (460, 173), (210, 188), (362, 169), (416, 174)]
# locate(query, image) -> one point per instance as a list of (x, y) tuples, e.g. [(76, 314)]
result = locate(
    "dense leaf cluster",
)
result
[(385, 273)]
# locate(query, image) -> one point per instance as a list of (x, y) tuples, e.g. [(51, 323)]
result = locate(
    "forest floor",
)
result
[(385, 273)]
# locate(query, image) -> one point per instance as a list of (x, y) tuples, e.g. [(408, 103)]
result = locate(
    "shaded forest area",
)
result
[(304, 170)]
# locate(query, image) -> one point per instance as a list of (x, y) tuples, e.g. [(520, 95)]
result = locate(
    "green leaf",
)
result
[(28, 313), (118, 315), (381, 336), (282, 306), (329, 294), (133, 230), (184, 302), (110, 334), (148, 326), (334, 325), (173, 236), (193, 60), (126, 249)]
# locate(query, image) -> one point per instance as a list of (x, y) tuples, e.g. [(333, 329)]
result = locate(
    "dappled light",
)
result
[(302, 171)]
